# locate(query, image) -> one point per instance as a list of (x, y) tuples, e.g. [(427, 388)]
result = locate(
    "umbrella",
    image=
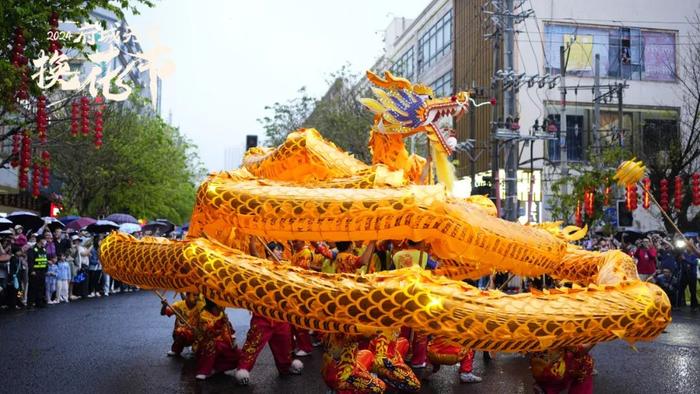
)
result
[(159, 227), (68, 219), (53, 223), (129, 228), (6, 224), (30, 221), (630, 236), (80, 223), (120, 218), (102, 226)]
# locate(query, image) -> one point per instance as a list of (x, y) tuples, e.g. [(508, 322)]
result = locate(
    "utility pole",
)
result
[(596, 108), (496, 184), (472, 136), (509, 111), (620, 114), (563, 132)]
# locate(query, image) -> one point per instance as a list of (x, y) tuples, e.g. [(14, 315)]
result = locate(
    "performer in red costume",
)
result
[(563, 369), (445, 352), (304, 257), (266, 331), (189, 309), (215, 342)]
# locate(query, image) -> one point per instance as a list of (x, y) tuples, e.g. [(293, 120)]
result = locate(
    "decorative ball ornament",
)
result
[(629, 172), (452, 142)]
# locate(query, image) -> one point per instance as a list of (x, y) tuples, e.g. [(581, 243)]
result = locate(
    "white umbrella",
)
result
[(129, 228)]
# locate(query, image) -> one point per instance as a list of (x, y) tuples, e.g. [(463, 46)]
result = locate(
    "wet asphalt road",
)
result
[(118, 345)]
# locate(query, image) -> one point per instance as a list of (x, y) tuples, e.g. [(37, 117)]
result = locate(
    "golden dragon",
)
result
[(309, 189)]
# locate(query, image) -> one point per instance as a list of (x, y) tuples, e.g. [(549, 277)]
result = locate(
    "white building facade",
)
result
[(643, 49)]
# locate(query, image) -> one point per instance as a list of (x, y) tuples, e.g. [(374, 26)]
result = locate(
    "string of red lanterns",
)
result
[(664, 195), (695, 188), (19, 61), (646, 201), (678, 193)]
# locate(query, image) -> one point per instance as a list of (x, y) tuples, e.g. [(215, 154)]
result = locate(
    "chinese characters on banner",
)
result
[(102, 75)]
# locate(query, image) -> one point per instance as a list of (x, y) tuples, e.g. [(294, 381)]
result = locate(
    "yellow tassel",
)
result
[(443, 168)]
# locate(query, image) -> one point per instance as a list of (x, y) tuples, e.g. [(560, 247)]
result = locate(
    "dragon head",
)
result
[(405, 108)]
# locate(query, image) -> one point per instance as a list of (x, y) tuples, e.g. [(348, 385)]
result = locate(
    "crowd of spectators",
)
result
[(49, 267), (670, 263)]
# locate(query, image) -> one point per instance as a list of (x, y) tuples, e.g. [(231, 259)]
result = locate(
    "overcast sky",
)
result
[(232, 58)]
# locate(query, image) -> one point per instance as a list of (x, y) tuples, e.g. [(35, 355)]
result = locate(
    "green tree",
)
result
[(146, 168), (338, 115), (283, 118), (32, 18), (341, 118), (595, 175)]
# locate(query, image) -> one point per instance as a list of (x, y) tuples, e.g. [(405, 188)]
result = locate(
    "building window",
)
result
[(403, 67), (625, 52), (443, 86), (435, 42)]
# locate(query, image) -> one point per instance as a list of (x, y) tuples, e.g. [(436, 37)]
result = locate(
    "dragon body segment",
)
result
[(309, 189)]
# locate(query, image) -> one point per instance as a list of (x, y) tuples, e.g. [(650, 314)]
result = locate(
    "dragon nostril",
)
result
[(454, 98)]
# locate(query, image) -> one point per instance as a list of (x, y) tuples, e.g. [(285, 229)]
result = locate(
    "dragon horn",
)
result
[(373, 105), (397, 82), (377, 80), (387, 102)]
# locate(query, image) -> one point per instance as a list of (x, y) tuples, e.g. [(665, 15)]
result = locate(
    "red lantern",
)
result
[(663, 200), (647, 188), (631, 197), (46, 158), (696, 188), (74, 117), (98, 122), (35, 180), (578, 215), (606, 196), (41, 122), (85, 112), (588, 201), (16, 141), (678, 193), (19, 61)]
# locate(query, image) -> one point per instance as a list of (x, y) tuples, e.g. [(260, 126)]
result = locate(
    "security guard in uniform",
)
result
[(37, 262)]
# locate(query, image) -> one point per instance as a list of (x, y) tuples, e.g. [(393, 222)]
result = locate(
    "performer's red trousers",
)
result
[(263, 331), (467, 363), (303, 339), (419, 345), (182, 338), (216, 357)]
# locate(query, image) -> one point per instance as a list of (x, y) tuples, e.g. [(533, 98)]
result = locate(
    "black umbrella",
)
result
[(629, 236), (160, 227), (121, 218), (6, 224), (53, 223), (102, 226), (659, 232), (30, 221)]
